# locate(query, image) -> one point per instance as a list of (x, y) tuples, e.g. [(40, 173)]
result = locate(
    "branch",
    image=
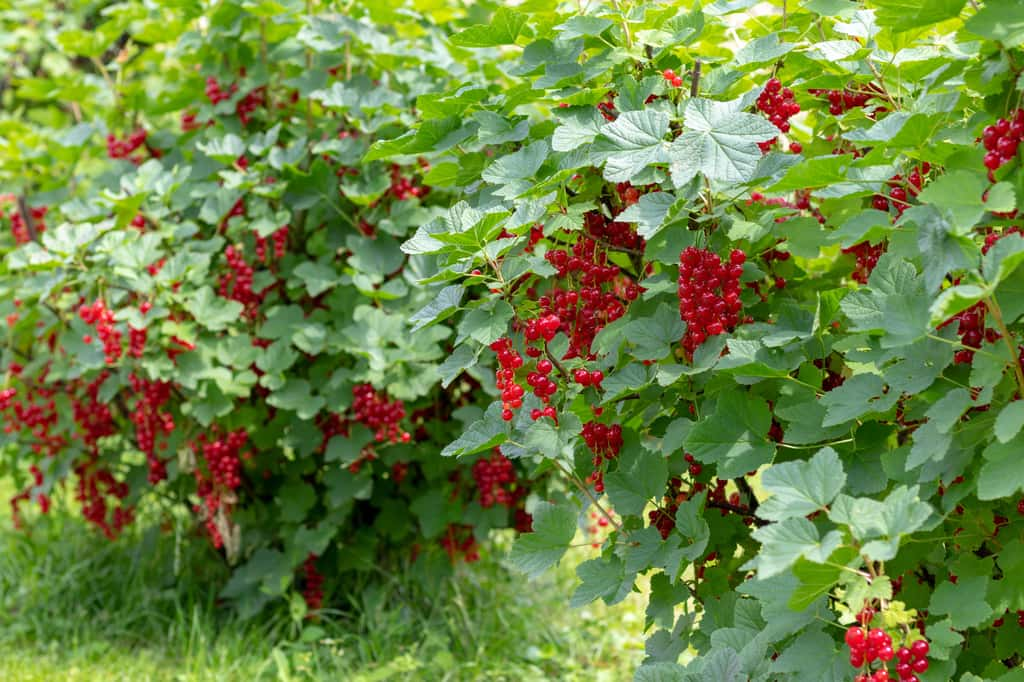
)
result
[(26, 217), (695, 79), (737, 510), (744, 487)]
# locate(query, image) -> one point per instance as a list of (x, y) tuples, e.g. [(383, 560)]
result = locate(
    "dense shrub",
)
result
[(747, 276), (205, 297)]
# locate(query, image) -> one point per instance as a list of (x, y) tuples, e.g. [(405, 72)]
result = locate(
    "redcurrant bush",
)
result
[(734, 296)]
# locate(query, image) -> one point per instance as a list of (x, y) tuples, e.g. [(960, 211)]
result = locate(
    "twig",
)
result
[(625, 24), (586, 491), (744, 487), (997, 315), (736, 510), (695, 78), (26, 217), (555, 362)]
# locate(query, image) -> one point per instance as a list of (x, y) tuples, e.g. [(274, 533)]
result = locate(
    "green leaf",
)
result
[(599, 578), (1000, 21), (580, 26), (661, 671), (818, 579), (551, 441), (859, 395), (554, 527), (496, 129), (905, 15), (785, 542), (212, 311), (503, 29), (458, 361), (483, 434), (633, 141), (440, 308), (946, 412), (488, 323), (297, 395), (959, 192), (817, 172), (318, 277), (1001, 475), (649, 213), (801, 488), (735, 436), (295, 499), (894, 302), (964, 602), (578, 126), (513, 170), (1010, 421), (954, 300), (762, 50), (431, 510), (654, 337), (631, 490), (720, 141)]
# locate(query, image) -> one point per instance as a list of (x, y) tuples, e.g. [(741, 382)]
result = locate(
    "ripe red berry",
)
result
[(668, 74), (855, 637), (920, 648)]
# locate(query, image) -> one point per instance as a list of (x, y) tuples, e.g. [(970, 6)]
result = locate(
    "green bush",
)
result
[(746, 275)]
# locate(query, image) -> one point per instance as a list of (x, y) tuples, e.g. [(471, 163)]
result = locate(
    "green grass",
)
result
[(76, 607)]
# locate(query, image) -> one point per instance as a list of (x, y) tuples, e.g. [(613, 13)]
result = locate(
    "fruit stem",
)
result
[(586, 491), (997, 315)]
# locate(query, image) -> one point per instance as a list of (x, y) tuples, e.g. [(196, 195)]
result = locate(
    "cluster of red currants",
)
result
[(867, 255), (509, 360), (215, 93), (102, 318), (280, 243), (493, 477), (841, 101), (592, 295), (223, 456), (972, 332), (900, 189), (95, 485), (598, 526), (606, 107), (26, 494), (664, 516), (373, 410), (1001, 140), (123, 148), (604, 442), (868, 646), (20, 231), (93, 417), (253, 100), (403, 187), (779, 105), (149, 421), (459, 541), (672, 78), (36, 414), (709, 294), (236, 284), (313, 585)]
